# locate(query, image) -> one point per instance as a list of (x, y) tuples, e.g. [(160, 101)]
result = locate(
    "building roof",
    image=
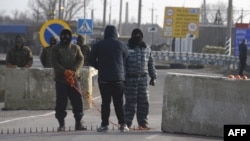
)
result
[(13, 28)]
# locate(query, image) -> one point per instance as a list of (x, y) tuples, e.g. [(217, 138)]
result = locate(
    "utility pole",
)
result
[(104, 14), (229, 27), (84, 12), (84, 16), (152, 23), (126, 15), (204, 13), (139, 14), (59, 9), (110, 12), (120, 18)]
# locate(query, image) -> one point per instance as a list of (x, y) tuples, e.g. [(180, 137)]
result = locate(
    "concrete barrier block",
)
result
[(202, 105), (2, 82), (34, 89)]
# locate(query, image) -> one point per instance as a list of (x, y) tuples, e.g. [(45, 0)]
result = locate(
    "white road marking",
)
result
[(20, 118), (152, 136)]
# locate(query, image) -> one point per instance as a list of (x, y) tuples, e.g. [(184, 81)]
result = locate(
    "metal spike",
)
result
[(7, 131), (1, 131), (91, 127), (30, 130), (42, 129), (19, 131), (14, 131), (47, 129), (24, 130)]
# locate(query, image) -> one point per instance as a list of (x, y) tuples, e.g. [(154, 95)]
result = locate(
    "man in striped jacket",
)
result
[(139, 64)]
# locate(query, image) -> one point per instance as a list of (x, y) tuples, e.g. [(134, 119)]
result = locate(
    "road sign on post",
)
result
[(84, 26), (242, 31), (51, 28), (181, 22)]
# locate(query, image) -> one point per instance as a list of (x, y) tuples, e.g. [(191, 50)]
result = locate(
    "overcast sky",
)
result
[(157, 5)]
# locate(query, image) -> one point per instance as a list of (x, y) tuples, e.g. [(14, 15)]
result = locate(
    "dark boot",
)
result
[(61, 125), (79, 126)]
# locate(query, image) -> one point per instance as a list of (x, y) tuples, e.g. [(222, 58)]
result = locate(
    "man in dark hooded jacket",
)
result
[(45, 56), (20, 55), (139, 64), (67, 61), (108, 57)]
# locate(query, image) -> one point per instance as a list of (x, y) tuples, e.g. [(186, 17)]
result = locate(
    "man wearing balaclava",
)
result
[(67, 61), (139, 64), (45, 56), (20, 55)]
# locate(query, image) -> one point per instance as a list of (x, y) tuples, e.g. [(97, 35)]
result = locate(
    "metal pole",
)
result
[(85, 36), (229, 22), (152, 24), (104, 14), (59, 10), (120, 18), (84, 4), (139, 14)]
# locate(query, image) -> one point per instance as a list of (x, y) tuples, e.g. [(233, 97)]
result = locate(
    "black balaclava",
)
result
[(19, 41), (136, 39), (53, 41), (65, 36)]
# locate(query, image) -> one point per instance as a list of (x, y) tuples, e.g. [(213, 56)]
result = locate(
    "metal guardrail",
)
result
[(196, 58)]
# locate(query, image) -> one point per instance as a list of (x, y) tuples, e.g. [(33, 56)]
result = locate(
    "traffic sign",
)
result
[(84, 26), (152, 29), (181, 22), (51, 28), (242, 31)]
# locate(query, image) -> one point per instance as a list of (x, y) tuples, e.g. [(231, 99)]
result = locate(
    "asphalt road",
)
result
[(40, 125)]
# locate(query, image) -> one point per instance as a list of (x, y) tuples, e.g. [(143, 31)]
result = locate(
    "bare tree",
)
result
[(211, 10), (49, 9)]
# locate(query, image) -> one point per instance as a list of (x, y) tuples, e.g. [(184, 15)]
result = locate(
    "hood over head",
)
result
[(53, 41), (19, 41), (110, 32), (136, 38), (65, 36), (80, 40)]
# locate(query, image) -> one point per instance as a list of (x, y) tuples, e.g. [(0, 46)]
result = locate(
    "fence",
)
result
[(196, 58)]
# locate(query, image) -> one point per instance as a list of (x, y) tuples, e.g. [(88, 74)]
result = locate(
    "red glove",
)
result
[(69, 77)]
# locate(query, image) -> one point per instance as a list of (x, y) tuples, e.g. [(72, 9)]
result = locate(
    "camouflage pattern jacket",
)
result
[(66, 58), (45, 57), (20, 57), (140, 61)]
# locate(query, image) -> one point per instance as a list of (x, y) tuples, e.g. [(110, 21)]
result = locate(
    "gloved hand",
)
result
[(152, 82), (69, 77), (11, 66)]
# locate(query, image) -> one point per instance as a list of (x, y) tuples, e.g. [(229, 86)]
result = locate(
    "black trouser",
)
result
[(112, 90), (63, 92), (242, 65)]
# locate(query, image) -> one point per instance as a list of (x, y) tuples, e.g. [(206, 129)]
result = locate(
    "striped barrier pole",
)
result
[(228, 46)]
